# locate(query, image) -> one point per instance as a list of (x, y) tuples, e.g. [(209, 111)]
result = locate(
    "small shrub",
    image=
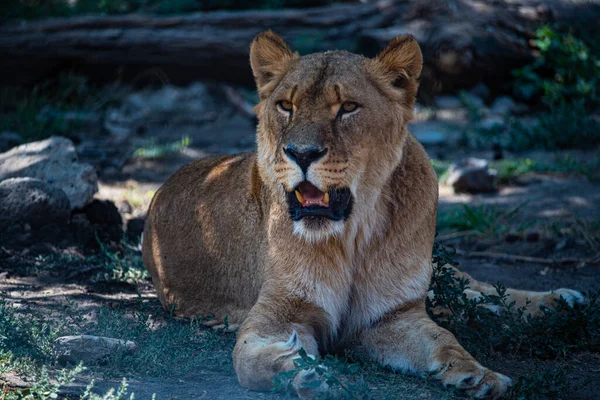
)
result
[(556, 333), (566, 71), (45, 387), (57, 106), (124, 266), (25, 337)]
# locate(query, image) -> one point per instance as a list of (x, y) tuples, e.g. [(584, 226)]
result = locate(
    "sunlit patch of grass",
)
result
[(154, 150), (441, 168)]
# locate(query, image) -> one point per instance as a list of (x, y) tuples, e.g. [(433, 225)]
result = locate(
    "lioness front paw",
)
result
[(549, 300), (309, 384), (476, 380)]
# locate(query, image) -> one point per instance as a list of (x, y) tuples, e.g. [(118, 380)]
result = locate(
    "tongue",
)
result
[(310, 192)]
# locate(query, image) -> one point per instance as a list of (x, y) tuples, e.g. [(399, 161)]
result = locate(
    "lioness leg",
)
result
[(408, 340), (523, 298), (270, 338)]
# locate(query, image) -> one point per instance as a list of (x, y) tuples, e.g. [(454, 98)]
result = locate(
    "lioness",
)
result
[(322, 236)]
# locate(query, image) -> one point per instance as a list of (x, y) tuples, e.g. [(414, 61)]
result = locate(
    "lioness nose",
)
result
[(304, 156)]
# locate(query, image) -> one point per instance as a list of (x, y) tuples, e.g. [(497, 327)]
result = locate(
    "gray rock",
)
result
[(89, 349), (503, 105), (55, 162), (471, 175), (8, 140), (445, 102), (32, 201)]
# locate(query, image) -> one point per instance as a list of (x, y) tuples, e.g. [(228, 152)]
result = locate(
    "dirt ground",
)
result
[(545, 199)]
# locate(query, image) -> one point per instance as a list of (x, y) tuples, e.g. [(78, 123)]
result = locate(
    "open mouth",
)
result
[(308, 201)]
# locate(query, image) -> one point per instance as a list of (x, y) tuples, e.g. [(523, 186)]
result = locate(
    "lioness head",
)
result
[(331, 127)]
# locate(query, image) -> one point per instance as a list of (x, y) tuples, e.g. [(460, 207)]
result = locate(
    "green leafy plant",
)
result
[(45, 387), (120, 266), (566, 70), (492, 323), (326, 375), (57, 106)]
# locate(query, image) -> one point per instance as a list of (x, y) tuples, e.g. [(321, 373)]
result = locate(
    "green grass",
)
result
[(564, 164), (170, 346), (510, 169), (481, 220), (166, 346), (59, 106), (157, 151), (565, 126), (119, 264)]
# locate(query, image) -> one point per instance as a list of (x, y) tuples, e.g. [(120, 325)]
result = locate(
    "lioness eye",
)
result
[(285, 105), (348, 107)]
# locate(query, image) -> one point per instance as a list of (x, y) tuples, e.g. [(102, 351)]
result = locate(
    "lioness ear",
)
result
[(402, 62), (269, 58)]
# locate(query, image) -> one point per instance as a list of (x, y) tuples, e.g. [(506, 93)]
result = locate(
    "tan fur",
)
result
[(219, 239)]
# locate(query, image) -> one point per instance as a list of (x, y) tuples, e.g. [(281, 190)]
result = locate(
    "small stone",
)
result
[(532, 237), (446, 102), (8, 140), (32, 202), (502, 105), (89, 349), (471, 175), (53, 161)]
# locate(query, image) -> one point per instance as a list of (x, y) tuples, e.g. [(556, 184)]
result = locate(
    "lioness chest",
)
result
[(357, 290)]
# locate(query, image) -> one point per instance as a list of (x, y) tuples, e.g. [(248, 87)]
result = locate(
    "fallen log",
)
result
[(206, 45), (464, 41)]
